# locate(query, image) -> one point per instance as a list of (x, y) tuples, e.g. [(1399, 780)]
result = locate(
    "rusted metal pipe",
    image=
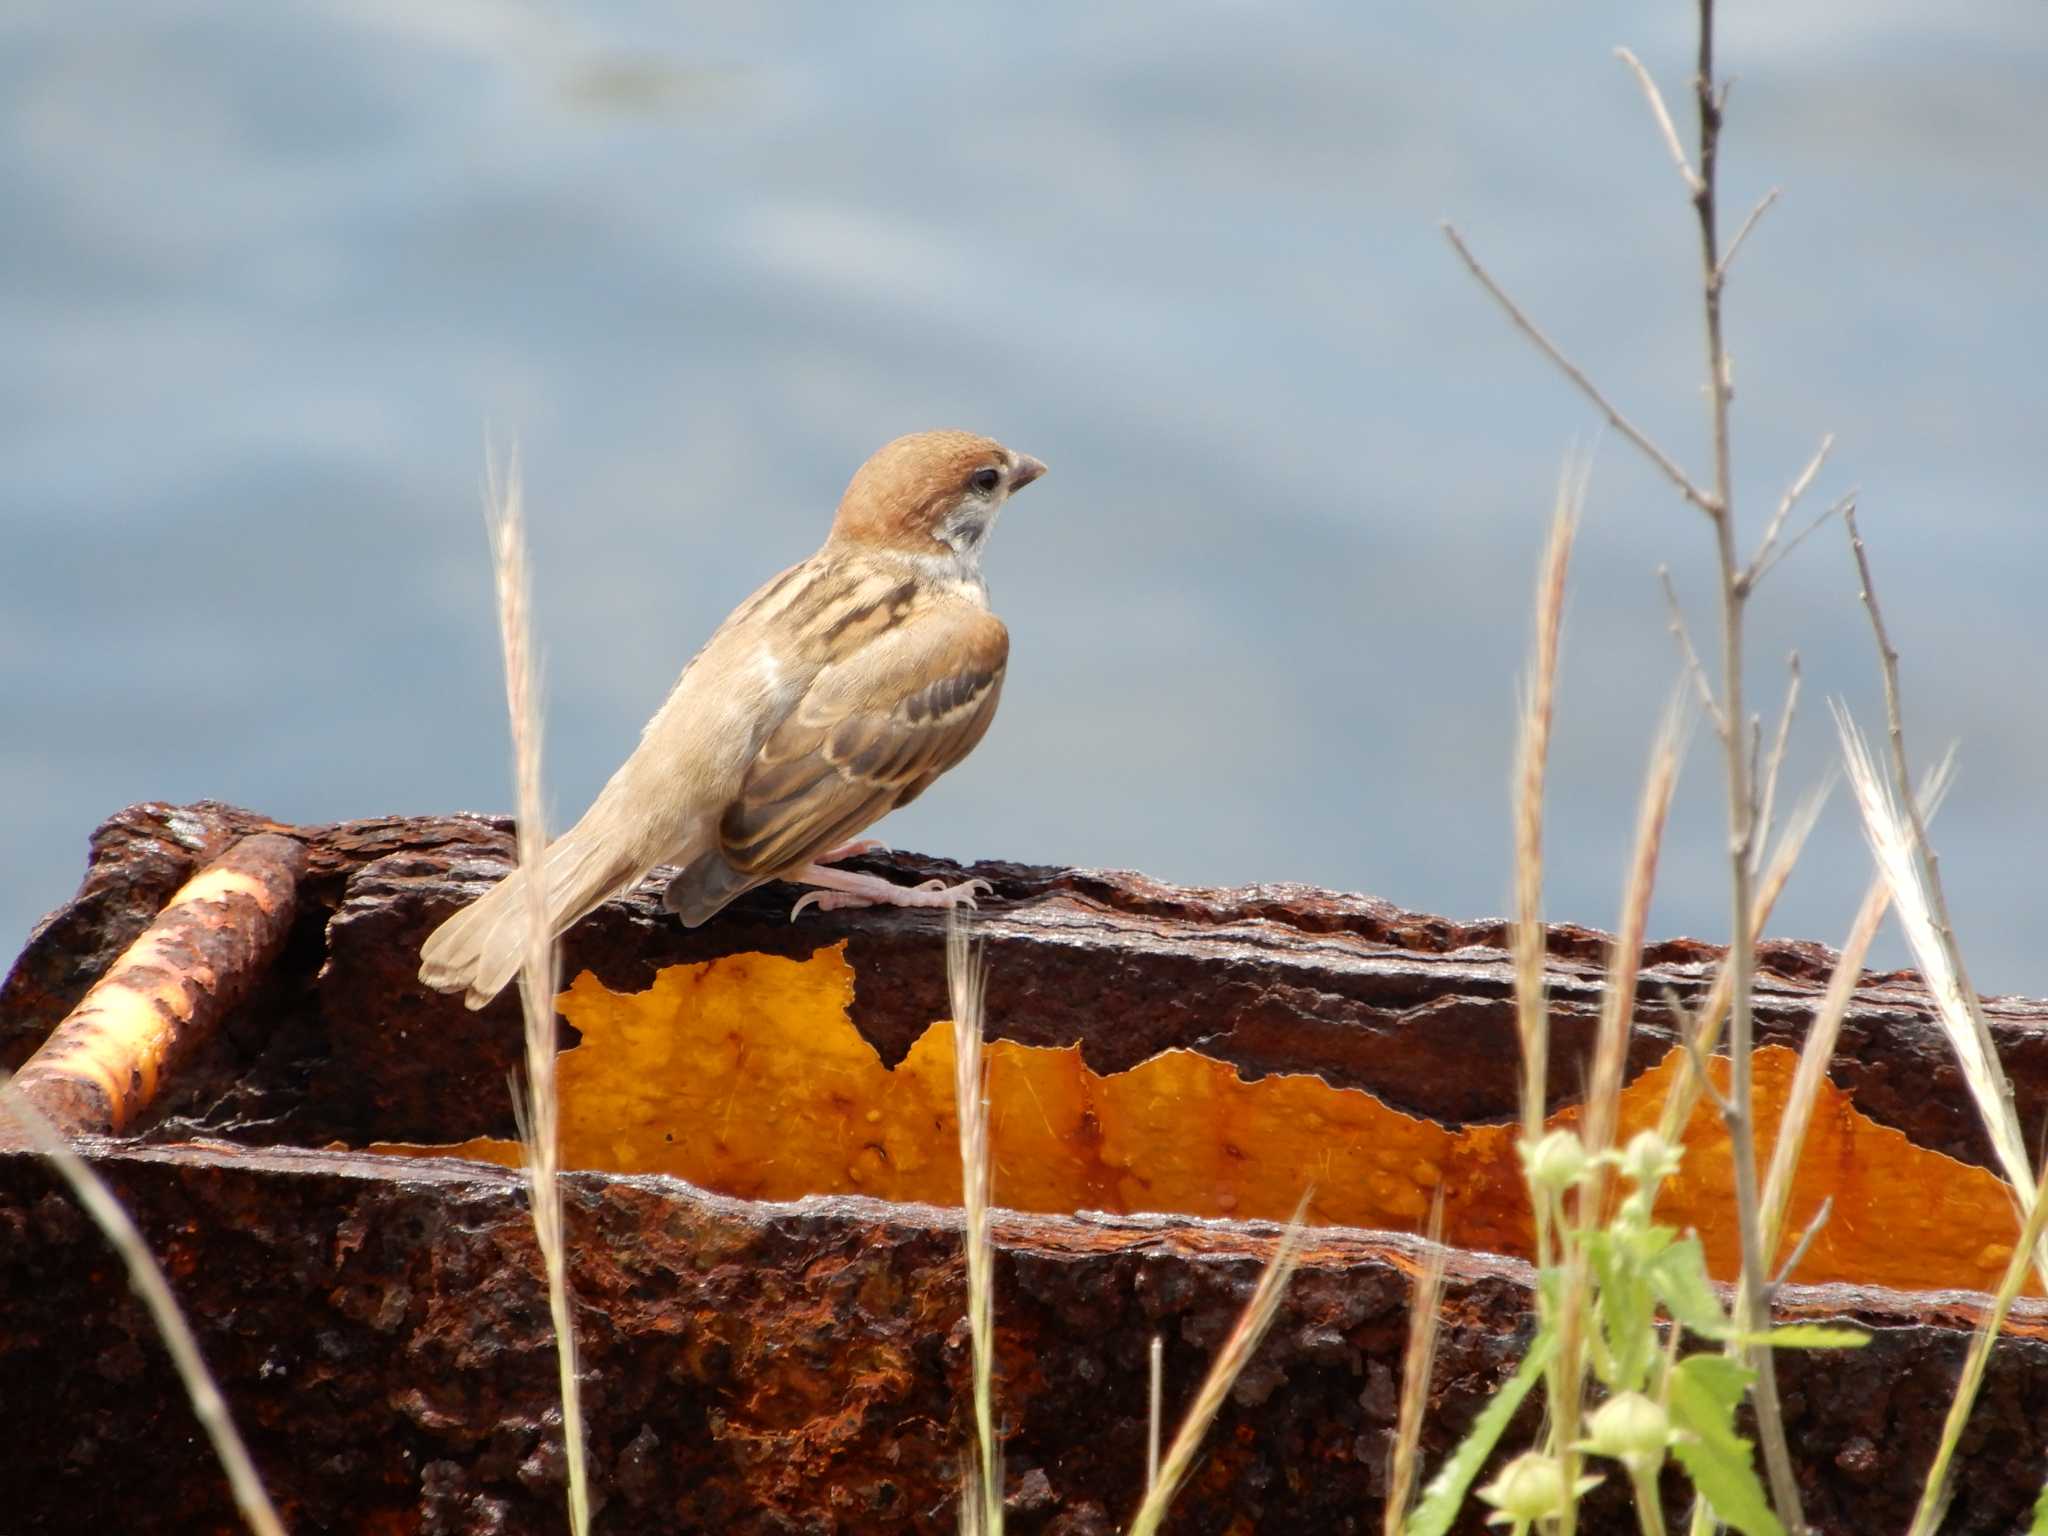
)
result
[(167, 994)]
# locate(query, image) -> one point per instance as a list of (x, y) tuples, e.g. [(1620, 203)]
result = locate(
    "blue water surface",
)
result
[(269, 274)]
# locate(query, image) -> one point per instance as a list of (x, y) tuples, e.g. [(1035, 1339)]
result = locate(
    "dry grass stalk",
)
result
[(1815, 1053), (1416, 1359), (1774, 767), (1532, 763), (1565, 1383), (1531, 770), (1625, 957), (1934, 1495), (1230, 1362), (1818, 1049), (148, 1282), (1155, 1405), (538, 1107), (981, 1499), (1896, 843)]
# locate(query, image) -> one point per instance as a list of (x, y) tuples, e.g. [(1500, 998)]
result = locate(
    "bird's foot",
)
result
[(847, 851), (843, 888)]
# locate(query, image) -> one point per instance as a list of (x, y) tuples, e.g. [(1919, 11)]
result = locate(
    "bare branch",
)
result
[(1763, 207), (1751, 1310), (1693, 666), (1689, 1033), (1628, 429), (1655, 97), (1798, 1253), (1756, 574), (1756, 754), (1763, 557), (1895, 728)]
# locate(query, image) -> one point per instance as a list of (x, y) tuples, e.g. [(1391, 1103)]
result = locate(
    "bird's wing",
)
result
[(872, 730)]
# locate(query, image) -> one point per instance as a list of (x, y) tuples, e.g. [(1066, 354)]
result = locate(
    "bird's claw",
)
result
[(931, 893)]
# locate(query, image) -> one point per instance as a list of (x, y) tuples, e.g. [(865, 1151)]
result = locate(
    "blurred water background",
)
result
[(268, 274)]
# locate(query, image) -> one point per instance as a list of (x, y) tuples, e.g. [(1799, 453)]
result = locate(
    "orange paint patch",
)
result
[(744, 1075)]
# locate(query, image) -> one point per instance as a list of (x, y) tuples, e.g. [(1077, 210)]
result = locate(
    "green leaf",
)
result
[(1679, 1275), (2039, 1526), (1445, 1495), (1808, 1336), (1704, 1392)]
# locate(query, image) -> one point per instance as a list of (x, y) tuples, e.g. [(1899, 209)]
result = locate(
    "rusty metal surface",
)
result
[(161, 1002), (379, 1327), (381, 1335)]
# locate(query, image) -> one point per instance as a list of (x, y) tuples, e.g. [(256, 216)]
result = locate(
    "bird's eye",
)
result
[(986, 480)]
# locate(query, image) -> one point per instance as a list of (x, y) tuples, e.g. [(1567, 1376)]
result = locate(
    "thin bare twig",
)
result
[(147, 1281), (1628, 429), (1762, 207), (1681, 1098), (1751, 1308), (1798, 1253), (1694, 668), (1696, 1057), (1756, 758), (1665, 126), (1895, 731), (1761, 560), (1846, 504)]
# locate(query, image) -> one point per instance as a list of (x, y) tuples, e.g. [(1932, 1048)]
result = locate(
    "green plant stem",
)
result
[(1649, 1503)]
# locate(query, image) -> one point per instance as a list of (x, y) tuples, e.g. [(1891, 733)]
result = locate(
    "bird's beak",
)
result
[(1028, 469)]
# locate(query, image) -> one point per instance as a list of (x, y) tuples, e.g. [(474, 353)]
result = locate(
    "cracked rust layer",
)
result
[(379, 1327)]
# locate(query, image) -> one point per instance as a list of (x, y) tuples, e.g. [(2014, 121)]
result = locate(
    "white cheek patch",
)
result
[(968, 529)]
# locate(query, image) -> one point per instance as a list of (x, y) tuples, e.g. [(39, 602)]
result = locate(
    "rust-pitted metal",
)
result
[(169, 990), (379, 1325), (380, 1331)]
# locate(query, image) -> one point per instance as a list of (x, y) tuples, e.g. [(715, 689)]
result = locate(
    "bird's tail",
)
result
[(478, 950)]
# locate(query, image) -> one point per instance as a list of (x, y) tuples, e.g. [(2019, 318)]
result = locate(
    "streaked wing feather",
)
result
[(860, 744)]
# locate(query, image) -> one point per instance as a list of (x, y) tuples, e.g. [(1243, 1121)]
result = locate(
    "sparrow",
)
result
[(837, 692)]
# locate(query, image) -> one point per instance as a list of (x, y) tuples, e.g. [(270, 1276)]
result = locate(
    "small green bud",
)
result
[(1631, 1428), (1555, 1163), (1648, 1160), (1530, 1488)]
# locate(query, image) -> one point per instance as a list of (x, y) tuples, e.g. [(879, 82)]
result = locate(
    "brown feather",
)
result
[(871, 733)]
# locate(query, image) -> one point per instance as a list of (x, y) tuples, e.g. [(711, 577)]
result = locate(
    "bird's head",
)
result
[(934, 494)]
